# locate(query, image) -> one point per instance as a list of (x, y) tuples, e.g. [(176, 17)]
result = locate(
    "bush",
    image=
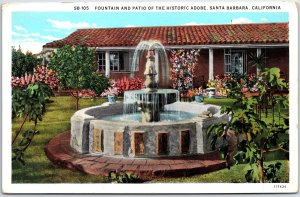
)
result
[(23, 63), (97, 83), (41, 74), (126, 84)]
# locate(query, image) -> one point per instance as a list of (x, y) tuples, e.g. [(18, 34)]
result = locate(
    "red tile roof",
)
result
[(178, 35)]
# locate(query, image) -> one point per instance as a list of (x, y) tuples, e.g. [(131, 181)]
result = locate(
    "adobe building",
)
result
[(223, 48)]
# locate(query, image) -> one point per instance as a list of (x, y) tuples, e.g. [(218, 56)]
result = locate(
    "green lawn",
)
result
[(39, 169), (233, 175)]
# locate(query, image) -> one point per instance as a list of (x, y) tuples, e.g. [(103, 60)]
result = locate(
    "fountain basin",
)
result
[(93, 131), (149, 103)]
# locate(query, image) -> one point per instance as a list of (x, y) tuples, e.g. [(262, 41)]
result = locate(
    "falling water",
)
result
[(150, 101), (162, 98), (159, 50)]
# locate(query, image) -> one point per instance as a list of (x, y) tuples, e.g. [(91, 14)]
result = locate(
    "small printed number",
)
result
[(280, 186), (81, 8)]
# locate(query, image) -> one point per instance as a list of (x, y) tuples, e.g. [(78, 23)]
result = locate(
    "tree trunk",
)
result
[(76, 97), (77, 102), (18, 132), (260, 164)]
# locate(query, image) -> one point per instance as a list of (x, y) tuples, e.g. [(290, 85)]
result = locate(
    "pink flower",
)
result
[(244, 89), (253, 89)]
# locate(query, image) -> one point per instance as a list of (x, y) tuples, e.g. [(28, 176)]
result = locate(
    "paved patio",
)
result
[(58, 150)]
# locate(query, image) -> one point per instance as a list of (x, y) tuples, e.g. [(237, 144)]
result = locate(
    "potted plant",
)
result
[(111, 94), (198, 92)]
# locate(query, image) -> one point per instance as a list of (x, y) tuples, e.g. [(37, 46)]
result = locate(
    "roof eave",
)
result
[(268, 45)]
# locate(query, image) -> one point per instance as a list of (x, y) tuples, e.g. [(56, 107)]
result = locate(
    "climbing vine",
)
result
[(183, 66)]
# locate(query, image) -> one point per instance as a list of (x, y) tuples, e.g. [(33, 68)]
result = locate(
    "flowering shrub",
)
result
[(87, 93), (45, 75), (192, 92), (241, 83), (110, 92), (125, 84), (182, 71), (197, 91), (219, 83), (41, 74), (22, 81), (234, 83)]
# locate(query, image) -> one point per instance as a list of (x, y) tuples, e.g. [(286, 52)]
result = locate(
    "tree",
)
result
[(74, 67), (23, 63), (257, 60), (30, 93), (255, 137)]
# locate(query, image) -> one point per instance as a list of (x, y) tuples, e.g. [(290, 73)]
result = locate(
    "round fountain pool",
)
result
[(104, 130), (166, 116)]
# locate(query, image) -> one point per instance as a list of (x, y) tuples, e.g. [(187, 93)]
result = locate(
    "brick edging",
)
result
[(58, 151)]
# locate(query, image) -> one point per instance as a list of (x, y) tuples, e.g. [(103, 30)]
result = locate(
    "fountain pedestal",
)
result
[(149, 112), (150, 103)]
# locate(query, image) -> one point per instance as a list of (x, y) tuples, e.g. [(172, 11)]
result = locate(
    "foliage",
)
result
[(47, 76), (74, 65), (234, 84), (41, 74), (271, 80), (183, 65), (123, 177), (257, 137), (23, 63), (30, 101), (110, 92), (97, 83), (257, 60), (238, 84), (87, 93), (219, 83), (270, 173), (125, 84), (18, 151)]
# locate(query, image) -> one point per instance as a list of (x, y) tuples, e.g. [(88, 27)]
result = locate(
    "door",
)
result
[(237, 62)]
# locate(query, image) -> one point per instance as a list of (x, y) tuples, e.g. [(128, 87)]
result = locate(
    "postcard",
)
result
[(150, 98)]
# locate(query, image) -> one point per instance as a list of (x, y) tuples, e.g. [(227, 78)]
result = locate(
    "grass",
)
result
[(234, 175), (39, 169), (219, 101)]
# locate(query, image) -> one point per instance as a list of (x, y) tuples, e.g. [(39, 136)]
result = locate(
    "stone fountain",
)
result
[(151, 133), (150, 100), (151, 122)]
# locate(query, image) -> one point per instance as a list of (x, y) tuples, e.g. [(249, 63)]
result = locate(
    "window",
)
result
[(125, 61), (234, 61), (118, 60), (227, 60), (114, 61), (101, 61)]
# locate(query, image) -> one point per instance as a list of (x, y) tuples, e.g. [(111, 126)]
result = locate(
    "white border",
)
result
[(8, 187)]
